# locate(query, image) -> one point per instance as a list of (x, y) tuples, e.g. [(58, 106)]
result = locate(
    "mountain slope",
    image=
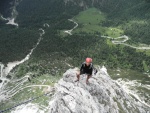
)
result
[(5, 7), (58, 52), (101, 95)]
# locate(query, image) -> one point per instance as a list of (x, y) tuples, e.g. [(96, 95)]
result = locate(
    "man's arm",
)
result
[(81, 68), (94, 69)]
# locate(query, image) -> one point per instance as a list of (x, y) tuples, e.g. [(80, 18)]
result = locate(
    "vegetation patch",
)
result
[(91, 20), (31, 92)]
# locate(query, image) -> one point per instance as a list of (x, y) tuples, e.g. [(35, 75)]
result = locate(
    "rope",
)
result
[(8, 109)]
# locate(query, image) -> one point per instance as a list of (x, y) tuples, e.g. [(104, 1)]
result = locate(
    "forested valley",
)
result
[(57, 51)]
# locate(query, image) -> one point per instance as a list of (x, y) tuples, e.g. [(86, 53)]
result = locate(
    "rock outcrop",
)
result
[(101, 95)]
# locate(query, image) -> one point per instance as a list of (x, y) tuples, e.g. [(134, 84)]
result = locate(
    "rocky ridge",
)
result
[(101, 95)]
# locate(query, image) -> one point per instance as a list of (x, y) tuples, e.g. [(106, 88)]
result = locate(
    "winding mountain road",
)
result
[(6, 93), (114, 40), (69, 31), (125, 39)]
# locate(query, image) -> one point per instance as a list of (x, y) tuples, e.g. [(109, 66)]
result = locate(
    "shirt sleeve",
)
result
[(81, 68)]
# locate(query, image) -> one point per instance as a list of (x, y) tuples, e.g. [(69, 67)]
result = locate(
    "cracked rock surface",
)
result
[(101, 95)]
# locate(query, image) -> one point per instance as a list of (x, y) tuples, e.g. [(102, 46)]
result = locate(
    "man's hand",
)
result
[(95, 71)]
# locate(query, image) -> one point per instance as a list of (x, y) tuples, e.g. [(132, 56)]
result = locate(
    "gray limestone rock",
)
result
[(101, 95)]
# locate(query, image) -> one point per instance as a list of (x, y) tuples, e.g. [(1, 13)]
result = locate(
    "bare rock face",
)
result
[(101, 95)]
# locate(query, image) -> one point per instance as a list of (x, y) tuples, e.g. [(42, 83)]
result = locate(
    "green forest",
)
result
[(56, 51)]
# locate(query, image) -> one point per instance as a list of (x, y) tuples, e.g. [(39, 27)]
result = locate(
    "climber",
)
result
[(86, 68)]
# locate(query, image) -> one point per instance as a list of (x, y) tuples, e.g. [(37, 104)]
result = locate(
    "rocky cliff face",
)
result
[(101, 95)]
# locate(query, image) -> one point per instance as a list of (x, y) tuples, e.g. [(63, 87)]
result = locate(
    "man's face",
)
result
[(87, 63)]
